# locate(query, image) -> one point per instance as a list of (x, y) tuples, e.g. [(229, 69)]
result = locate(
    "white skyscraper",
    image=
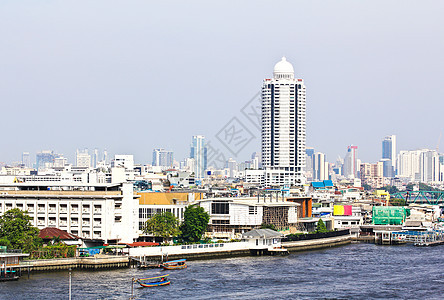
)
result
[(198, 151), (83, 159), (283, 126)]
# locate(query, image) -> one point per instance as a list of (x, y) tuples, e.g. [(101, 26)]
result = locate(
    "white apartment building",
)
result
[(419, 165), (283, 126), (98, 213)]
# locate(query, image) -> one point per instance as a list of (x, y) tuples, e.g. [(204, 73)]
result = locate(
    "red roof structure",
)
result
[(142, 244), (49, 233)]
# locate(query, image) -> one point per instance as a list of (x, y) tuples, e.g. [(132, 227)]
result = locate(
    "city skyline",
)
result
[(78, 84)]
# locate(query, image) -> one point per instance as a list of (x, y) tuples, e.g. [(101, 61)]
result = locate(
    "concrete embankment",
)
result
[(317, 243), (94, 263), (190, 252)]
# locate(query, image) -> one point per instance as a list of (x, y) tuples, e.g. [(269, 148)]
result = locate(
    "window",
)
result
[(220, 208), (252, 210), (220, 222)]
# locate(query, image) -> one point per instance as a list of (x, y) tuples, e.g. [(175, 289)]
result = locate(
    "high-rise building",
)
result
[(95, 158), (283, 127), (83, 159), (45, 159), (198, 151), (162, 157), (351, 162), (389, 152), (320, 167), (26, 159), (372, 174)]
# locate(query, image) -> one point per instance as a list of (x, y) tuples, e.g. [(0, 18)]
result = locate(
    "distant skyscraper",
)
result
[(283, 127), (320, 167), (95, 158), (198, 151), (163, 158), (351, 162), (105, 156), (83, 159), (45, 159), (26, 159), (389, 152)]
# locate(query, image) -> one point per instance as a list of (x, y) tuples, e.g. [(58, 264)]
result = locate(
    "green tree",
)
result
[(163, 224), (15, 227), (367, 187), (268, 226), (320, 227), (391, 189), (195, 222)]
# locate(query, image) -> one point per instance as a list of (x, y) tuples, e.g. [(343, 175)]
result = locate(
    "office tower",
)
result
[(283, 127), (60, 162), (83, 159), (320, 167), (45, 159), (162, 157), (105, 157), (198, 151), (26, 159), (389, 152), (95, 158), (309, 152), (429, 166), (351, 162)]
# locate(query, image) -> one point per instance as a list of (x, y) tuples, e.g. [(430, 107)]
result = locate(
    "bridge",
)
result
[(421, 197)]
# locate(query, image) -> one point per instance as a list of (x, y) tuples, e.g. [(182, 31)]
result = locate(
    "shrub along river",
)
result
[(355, 271)]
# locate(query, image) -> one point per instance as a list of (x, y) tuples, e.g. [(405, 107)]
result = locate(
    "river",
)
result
[(355, 271)]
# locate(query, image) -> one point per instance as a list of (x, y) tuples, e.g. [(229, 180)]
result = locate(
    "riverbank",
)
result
[(189, 252), (90, 263), (317, 244)]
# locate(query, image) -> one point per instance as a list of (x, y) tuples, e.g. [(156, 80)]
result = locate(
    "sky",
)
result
[(130, 76)]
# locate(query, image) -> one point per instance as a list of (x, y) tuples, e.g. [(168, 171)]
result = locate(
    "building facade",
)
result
[(162, 158), (198, 152), (283, 127), (98, 213)]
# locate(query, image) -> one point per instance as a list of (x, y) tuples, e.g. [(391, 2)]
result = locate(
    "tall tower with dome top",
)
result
[(283, 127)]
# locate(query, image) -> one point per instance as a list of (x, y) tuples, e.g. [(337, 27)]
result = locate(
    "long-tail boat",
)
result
[(174, 264), (153, 281)]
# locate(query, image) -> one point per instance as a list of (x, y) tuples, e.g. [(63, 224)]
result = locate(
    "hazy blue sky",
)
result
[(130, 76)]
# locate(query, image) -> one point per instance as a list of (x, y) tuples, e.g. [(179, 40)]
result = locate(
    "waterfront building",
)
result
[(163, 158), (99, 213), (283, 127), (151, 203), (83, 159), (389, 152), (198, 152), (230, 217)]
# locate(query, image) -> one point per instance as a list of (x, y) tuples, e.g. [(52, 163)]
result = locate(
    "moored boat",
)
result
[(174, 264), (153, 281)]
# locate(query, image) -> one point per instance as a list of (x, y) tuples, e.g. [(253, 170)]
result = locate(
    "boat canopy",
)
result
[(174, 261), (154, 277)]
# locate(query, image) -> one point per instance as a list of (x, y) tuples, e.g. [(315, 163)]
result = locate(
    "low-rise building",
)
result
[(230, 217)]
